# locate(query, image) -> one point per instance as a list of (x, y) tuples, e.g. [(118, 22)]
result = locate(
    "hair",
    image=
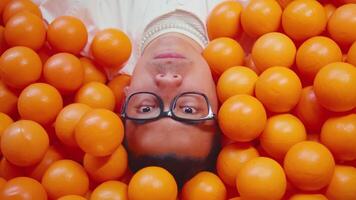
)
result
[(182, 168)]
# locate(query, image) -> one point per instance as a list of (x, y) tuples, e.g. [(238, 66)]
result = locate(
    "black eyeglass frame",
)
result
[(169, 112)]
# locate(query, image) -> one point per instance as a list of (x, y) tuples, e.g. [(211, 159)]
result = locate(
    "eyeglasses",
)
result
[(188, 107)]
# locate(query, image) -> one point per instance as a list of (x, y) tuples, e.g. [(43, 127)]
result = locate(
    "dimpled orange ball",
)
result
[(40, 102), (224, 20), (65, 177), (309, 165), (204, 185), (64, 71), (67, 34), (279, 89), (20, 66), (110, 190), (25, 29), (339, 135), (24, 143), (308, 197), (152, 183), (351, 54), (66, 121), (261, 178), (99, 132), (315, 53), (343, 184), (96, 95), (23, 188), (223, 53), (260, 17), (273, 49), (281, 133), (111, 47), (236, 80), (302, 19), (242, 118), (342, 24), (335, 86), (106, 168), (231, 159)]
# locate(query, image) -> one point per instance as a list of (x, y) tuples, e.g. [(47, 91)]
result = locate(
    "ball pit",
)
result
[(287, 106)]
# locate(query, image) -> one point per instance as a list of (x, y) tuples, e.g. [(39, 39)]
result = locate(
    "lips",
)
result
[(169, 55)]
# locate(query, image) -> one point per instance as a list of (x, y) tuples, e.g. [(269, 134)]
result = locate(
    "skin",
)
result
[(168, 77)]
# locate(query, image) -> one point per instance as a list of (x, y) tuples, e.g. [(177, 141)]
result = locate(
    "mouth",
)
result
[(165, 55)]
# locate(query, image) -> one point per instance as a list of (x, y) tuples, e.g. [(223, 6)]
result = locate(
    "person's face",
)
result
[(169, 66)]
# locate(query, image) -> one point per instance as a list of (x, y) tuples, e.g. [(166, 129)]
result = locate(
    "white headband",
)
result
[(178, 21)]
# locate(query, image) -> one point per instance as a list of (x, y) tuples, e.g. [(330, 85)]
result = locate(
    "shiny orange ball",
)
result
[(335, 86), (223, 53), (279, 89), (273, 49), (242, 118)]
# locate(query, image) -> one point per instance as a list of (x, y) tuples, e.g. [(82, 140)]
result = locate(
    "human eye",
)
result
[(145, 108), (188, 109)]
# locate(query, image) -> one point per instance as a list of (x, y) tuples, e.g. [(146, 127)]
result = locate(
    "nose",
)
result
[(168, 80)]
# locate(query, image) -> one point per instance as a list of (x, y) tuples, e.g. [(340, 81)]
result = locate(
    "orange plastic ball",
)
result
[(303, 19), (309, 165), (24, 133), (117, 85), (231, 159), (315, 53), (111, 47), (273, 49), (16, 6), (99, 132), (23, 188), (5, 121), (9, 171), (236, 80), (40, 102), (242, 118), (3, 45), (281, 133), (52, 155), (224, 20), (279, 89), (91, 72), (261, 17), (335, 86), (152, 183), (308, 197), (25, 29), (67, 34), (339, 135), (20, 66), (106, 168), (110, 190), (351, 55), (329, 10), (65, 177), (223, 53), (261, 178), (8, 100), (64, 66), (66, 121), (204, 185), (343, 184), (309, 111), (72, 197), (342, 24), (96, 95)]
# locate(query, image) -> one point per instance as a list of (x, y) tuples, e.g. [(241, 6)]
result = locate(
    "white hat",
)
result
[(178, 21)]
